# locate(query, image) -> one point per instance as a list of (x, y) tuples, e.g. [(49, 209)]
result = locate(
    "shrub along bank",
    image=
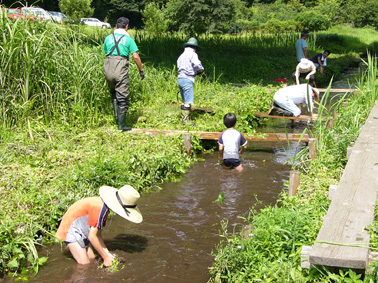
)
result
[(273, 253), (58, 141)]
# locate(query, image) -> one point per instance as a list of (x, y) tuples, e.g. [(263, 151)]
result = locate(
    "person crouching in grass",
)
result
[(231, 144)]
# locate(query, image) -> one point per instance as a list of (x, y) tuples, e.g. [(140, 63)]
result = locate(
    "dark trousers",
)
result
[(303, 76)]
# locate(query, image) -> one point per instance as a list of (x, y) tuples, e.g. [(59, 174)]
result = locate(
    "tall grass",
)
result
[(53, 73), (46, 73)]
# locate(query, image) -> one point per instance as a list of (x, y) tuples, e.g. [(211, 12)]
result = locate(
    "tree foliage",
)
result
[(362, 12), (219, 16), (130, 9), (278, 11), (154, 19), (313, 20), (76, 9), (201, 16)]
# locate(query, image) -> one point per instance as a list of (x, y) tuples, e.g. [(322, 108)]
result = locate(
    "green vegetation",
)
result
[(58, 140), (273, 253), (220, 16)]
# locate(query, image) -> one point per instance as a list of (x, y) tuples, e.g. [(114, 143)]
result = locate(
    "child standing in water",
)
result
[(231, 144)]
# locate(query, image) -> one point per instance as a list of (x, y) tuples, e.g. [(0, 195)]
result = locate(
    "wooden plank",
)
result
[(333, 90), (342, 240), (299, 118), (198, 109), (338, 90), (207, 110), (239, 84), (269, 137)]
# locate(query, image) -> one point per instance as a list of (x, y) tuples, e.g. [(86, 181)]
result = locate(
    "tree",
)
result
[(76, 9), (201, 16), (154, 19), (313, 20), (362, 13), (129, 9)]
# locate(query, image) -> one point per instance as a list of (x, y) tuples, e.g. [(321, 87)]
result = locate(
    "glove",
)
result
[(141, 74)]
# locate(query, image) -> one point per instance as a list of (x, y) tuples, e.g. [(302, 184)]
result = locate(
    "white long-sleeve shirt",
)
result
[(188, 64), (296, 93)]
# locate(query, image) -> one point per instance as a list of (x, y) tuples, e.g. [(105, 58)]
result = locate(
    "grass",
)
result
[(58, 141)]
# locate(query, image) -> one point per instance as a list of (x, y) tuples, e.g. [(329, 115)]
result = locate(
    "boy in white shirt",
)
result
[(231, 144)]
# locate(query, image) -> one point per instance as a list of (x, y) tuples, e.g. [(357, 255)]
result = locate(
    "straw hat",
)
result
[(304, 64), (122, 201), (316, 91)]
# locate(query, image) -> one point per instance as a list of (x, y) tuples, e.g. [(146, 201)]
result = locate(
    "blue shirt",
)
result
[(299, 45)]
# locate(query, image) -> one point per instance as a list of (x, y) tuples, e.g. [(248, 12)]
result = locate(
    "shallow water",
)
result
[(181, 223)]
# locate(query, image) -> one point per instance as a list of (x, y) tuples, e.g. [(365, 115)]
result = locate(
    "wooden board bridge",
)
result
[(338, 90), (343, 241), (322, 90), (267, 137), (299, 118)]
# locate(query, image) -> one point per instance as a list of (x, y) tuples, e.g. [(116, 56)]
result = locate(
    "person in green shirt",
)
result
[(117, 47)]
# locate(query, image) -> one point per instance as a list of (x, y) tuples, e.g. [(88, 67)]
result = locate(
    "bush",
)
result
[(154, 19), (362, 13), (313, 20), (244, 25), (277, 26)]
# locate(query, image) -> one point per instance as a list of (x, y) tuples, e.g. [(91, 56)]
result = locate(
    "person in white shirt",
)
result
[(305, 69), (289, 97), (188, 66)]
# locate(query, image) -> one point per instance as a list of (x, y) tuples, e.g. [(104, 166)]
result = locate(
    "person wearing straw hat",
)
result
[(301, 45), (83, 222), (188, 66), (305, 69), (287, 99)]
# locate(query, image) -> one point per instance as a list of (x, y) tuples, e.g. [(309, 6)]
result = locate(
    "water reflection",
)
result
[(182, 222)]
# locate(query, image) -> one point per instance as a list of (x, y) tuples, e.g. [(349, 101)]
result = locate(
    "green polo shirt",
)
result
[(126, 46)]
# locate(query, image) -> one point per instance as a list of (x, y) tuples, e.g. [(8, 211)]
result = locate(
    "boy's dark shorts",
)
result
[(231, 162)]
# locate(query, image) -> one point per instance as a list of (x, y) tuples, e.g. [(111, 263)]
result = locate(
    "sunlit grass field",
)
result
[(58, 138)]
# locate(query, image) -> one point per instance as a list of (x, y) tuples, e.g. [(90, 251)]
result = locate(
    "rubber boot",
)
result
[(185, 114), (122, 123), (115, 108)]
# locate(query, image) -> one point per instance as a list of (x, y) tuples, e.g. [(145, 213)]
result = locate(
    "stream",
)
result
[(182, 223)]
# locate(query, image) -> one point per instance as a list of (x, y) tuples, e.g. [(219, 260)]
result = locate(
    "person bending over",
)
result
[(289, 97), (83, 222), (306, 70)]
